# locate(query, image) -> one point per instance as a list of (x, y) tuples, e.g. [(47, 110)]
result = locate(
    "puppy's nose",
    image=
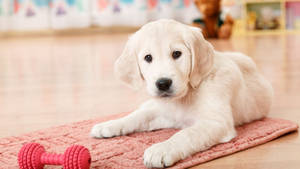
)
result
[(163, 84)]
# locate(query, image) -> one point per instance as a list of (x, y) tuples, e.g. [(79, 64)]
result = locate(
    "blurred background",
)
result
[(37, 15), (57, 56)]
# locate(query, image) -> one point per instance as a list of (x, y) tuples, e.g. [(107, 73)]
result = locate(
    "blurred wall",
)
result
[(62, 14)]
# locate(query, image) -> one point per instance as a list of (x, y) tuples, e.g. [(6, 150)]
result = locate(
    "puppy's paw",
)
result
[(107, 129), (161, 155)]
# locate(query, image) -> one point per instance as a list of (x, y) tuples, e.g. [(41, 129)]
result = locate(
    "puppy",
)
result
[(195, 88)]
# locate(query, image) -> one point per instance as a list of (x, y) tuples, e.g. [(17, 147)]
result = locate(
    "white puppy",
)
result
[(195, 88)]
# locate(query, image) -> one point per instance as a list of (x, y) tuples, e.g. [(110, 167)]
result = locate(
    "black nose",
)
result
[(163, 84)]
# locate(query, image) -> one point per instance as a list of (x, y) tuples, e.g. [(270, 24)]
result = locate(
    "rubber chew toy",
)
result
[(33, 156)]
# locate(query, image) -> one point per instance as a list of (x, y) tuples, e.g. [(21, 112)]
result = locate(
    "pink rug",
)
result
[(127, 151)]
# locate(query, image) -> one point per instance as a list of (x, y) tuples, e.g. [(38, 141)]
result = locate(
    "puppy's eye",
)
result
[(176, 54), (148, 58)]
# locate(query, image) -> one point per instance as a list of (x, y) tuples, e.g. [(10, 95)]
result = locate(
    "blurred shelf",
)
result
[(293, 31), (265, 32), (269, 1), (292, 0), (260, 1), (251, 15)]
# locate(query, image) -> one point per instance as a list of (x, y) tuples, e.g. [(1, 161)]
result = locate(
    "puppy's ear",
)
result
[(202, 56), (126, 66)]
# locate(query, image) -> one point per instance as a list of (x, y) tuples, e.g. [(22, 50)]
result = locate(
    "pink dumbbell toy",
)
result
[(33, 156)]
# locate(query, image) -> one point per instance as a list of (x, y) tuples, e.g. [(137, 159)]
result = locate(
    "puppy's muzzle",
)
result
[(163, 84)]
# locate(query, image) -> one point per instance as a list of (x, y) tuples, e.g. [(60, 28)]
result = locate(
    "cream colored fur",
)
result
[(212, 91)]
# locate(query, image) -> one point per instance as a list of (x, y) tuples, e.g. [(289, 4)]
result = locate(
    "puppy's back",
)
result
[(253, 101)]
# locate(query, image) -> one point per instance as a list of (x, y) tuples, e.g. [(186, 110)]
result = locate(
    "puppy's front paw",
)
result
[(107, 129), (161, 155)]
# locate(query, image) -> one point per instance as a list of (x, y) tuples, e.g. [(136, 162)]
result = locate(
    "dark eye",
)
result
[(148, 58), (176, 54)]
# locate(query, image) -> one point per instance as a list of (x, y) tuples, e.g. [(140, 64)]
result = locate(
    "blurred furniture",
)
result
[(269, 17)]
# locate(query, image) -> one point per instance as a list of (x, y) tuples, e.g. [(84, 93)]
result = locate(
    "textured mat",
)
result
[(127, 151)]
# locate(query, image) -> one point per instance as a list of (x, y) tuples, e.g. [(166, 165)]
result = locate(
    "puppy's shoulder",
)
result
[(225, 69), (224, 64), (244, 62)]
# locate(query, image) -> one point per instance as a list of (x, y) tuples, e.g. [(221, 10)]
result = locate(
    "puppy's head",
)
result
[(167, 56)]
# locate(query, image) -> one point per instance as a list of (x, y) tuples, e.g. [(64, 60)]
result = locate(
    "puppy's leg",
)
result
[(140, 120), (201, 136)]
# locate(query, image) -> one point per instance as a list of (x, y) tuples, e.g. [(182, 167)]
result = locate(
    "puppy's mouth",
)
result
[(165, 94), (171, 94)]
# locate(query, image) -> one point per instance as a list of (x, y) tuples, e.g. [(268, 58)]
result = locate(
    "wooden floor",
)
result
[(47, 81)]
